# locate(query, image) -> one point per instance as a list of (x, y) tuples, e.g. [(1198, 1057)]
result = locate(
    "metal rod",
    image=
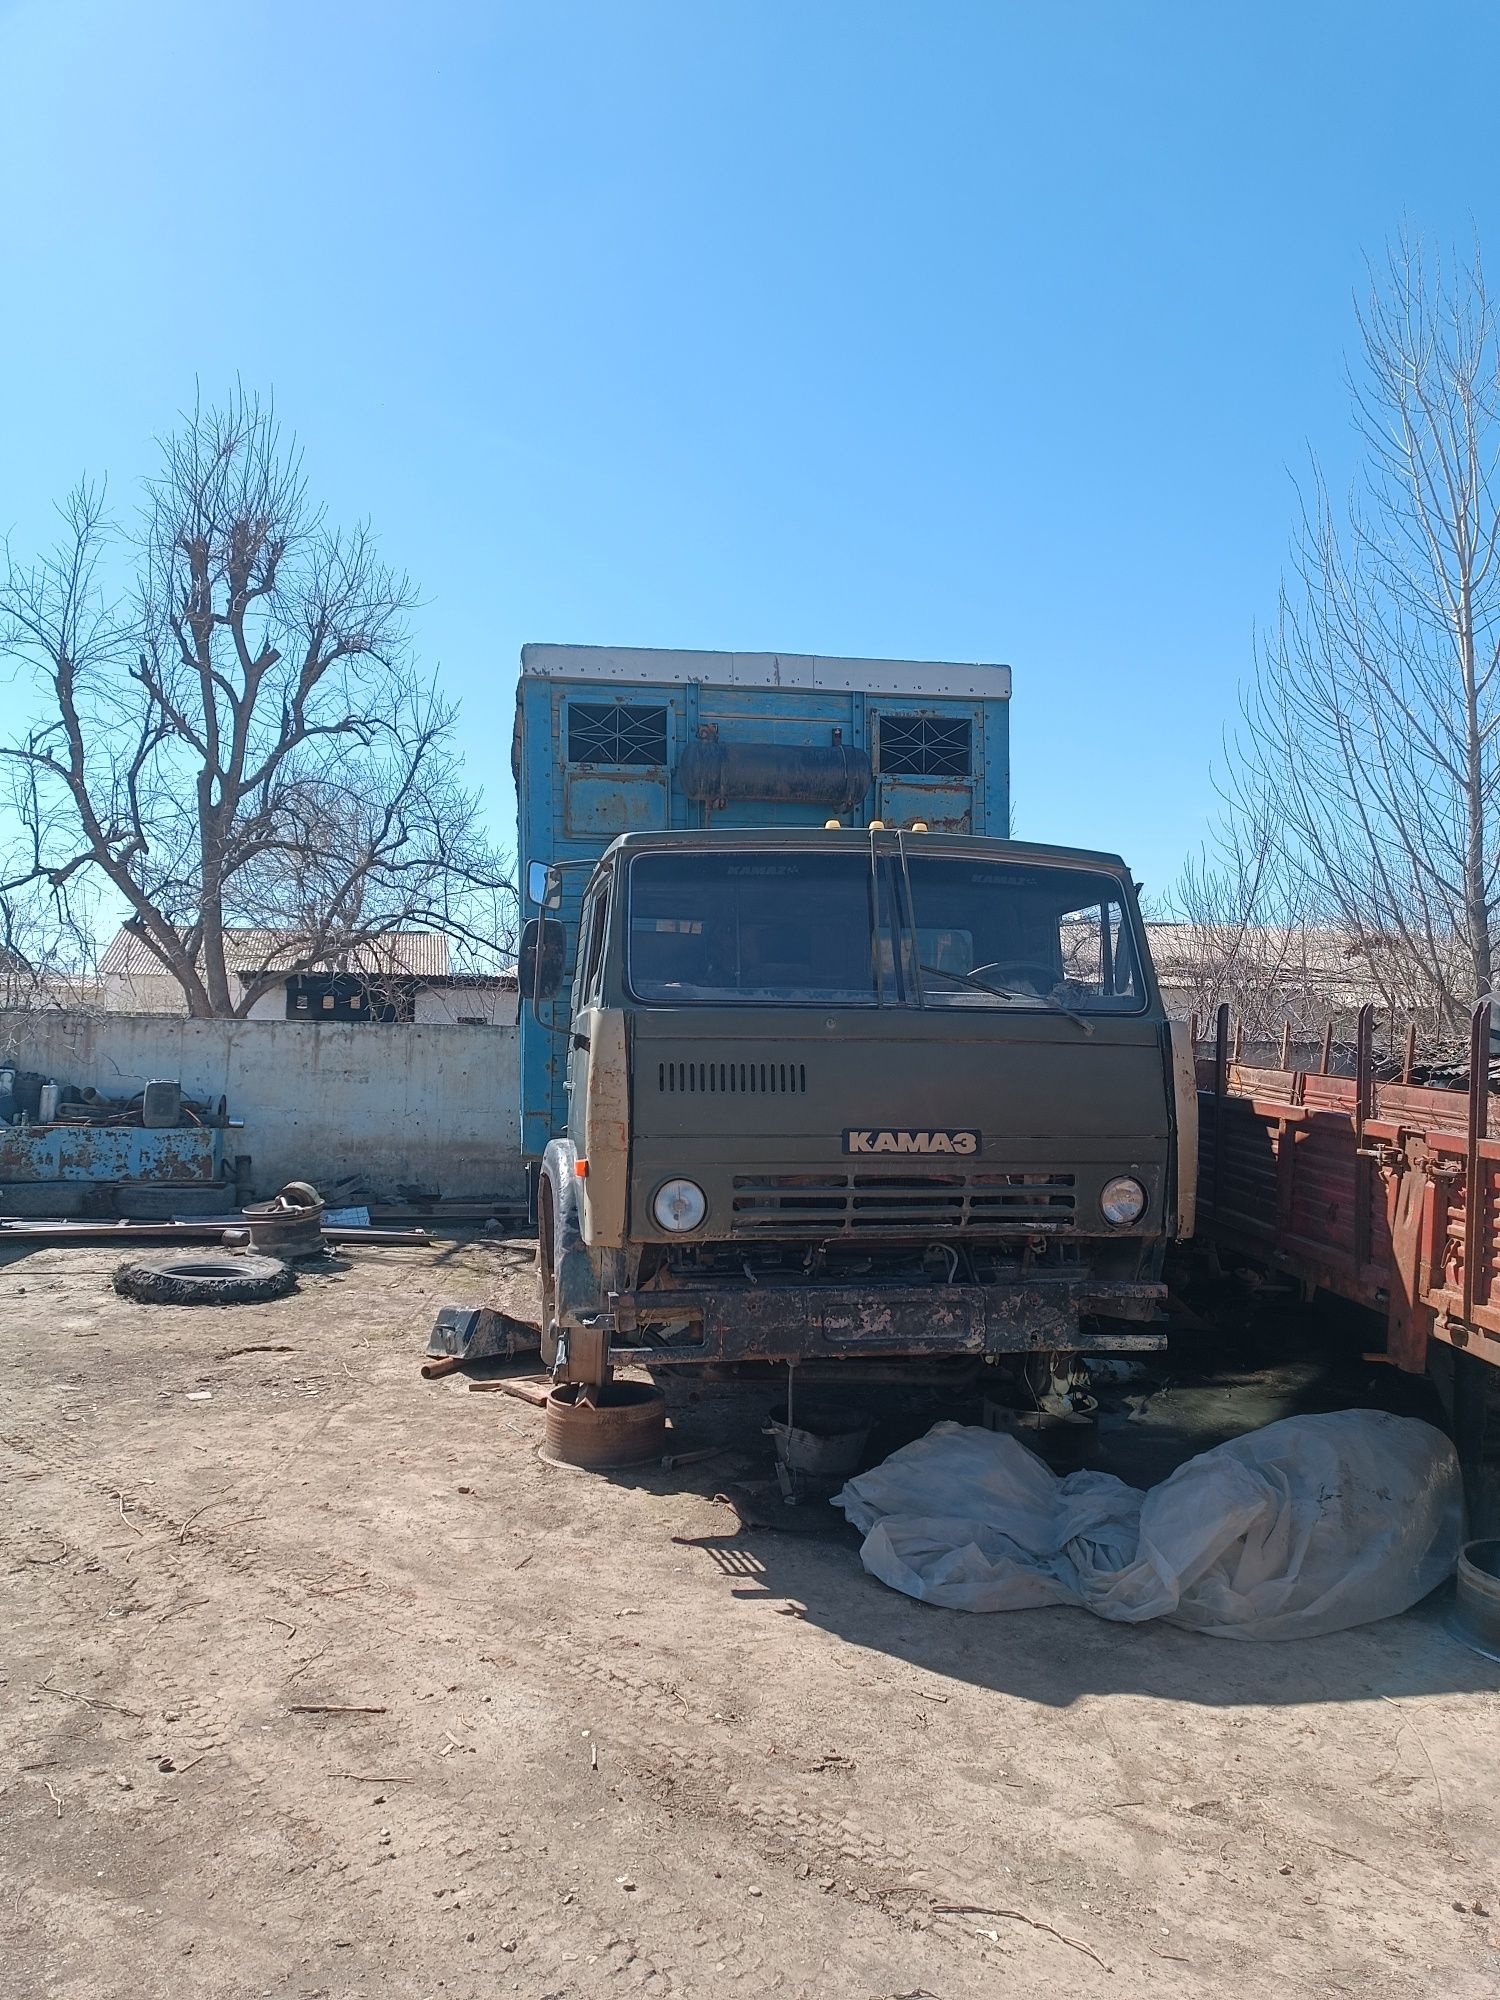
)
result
[(1221, 1093), (1475, 1247), (1409, 1060), (194, 1232), (1364, 1068), (1364, 1093)]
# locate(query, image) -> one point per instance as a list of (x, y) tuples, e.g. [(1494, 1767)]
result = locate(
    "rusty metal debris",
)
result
[(604, 1427), (479, 1333)]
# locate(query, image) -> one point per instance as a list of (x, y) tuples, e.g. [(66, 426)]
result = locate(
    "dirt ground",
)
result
[(315, 1680)]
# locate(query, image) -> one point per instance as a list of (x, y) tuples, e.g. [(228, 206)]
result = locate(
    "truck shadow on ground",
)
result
[(1058, 1657), (809, 1568)]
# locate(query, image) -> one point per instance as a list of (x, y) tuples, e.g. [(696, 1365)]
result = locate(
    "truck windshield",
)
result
[(794, 929), (1008, 934), (789, 928)]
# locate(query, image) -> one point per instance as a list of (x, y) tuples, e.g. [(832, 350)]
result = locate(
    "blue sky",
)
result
[(955, 331)]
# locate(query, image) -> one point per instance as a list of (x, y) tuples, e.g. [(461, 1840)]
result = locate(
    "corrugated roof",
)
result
[(393, 954)]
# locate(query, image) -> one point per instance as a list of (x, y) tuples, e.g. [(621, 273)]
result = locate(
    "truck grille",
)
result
[(731, 1079), (847, 1204)]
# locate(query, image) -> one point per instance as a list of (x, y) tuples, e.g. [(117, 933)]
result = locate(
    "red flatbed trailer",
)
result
[(1382, 1192)]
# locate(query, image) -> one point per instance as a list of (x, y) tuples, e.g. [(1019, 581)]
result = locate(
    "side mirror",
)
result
[(539, 963), (544, 886)]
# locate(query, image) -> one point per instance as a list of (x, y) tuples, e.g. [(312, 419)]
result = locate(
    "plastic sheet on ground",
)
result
[(1308, 1526)]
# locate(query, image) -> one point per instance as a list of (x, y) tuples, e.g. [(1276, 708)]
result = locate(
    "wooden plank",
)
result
[(533, 1389)]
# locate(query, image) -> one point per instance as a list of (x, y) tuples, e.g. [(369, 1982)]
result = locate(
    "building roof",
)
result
[(657, 665), (392, 954), (1334, 962)]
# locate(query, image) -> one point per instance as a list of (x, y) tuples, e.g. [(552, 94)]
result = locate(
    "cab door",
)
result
[(598, 1085), (591, 934)]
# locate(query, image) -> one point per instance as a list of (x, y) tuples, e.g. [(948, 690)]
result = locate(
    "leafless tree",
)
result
[(1237, 929), (46, 952), (1369, 756), (228, 727)]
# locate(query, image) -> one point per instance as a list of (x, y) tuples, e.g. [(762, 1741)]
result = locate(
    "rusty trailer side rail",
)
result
[(1383, 1193)]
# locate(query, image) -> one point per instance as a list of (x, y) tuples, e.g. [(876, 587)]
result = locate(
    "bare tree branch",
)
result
[(243, 738), (1363, 785)]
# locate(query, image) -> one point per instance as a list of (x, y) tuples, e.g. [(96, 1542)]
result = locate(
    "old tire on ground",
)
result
[(300, 1194), (628, 1426), (161, 1202), (205, 1278), (46, 1201)]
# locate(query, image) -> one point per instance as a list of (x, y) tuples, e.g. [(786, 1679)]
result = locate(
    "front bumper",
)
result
[(804, 1322)]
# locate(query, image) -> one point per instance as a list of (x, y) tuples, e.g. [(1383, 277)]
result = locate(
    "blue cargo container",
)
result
[(619, 740)]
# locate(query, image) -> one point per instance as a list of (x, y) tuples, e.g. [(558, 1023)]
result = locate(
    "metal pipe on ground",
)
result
[(448, 1365)]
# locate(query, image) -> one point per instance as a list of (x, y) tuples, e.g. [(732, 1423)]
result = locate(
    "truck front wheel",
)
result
[(546, 1258)]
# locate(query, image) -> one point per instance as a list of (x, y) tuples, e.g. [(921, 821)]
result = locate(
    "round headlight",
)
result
[(1123, 1200), (680, 1205)]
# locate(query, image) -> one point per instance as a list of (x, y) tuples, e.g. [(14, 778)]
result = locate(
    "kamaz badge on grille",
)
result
[(866, 1140)]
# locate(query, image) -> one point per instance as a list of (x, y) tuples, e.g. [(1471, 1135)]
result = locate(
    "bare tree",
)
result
[(1369, 754), (46, 952), (1220, 942), (1243, 926), (238, 734)]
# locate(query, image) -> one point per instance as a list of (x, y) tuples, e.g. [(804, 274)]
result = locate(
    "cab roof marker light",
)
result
[(833, 825), (919, 826), (877, 826)]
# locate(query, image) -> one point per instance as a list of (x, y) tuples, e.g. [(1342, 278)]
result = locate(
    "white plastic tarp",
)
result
[(1308, 1526)]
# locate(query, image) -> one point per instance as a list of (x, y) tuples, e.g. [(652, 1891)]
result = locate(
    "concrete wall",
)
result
[(420, 1103), (434, 1005), (148, 993), (464, 1003)]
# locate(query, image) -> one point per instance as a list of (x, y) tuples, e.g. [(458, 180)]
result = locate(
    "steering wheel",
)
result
[(1032, 970)]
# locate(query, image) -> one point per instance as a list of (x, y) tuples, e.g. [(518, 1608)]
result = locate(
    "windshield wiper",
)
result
[(979, 985), (1009, 993)]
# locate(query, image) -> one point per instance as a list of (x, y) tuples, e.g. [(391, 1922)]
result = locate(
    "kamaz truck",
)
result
[(820, 1067)]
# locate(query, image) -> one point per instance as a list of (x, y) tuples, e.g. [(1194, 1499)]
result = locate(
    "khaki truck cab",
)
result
[(847, 1095)]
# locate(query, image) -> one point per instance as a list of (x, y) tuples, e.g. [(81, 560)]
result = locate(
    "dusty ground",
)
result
[(616, 1745)]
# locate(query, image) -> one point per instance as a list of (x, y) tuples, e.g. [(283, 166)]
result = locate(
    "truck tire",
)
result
[(46, 1201), (1476, 1435), (208, 1278), (546, 1262), (155, 1202)]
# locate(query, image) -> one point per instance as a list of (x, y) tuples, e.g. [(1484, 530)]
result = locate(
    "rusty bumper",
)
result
[(800, 1322)]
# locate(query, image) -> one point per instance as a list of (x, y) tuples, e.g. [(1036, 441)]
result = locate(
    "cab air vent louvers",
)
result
[(832, 1204), (745, 1079)]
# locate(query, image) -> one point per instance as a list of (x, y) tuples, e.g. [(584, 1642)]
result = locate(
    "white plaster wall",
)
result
[(449, 1003), (434, 1005), (142, 993), (422, 1103)]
